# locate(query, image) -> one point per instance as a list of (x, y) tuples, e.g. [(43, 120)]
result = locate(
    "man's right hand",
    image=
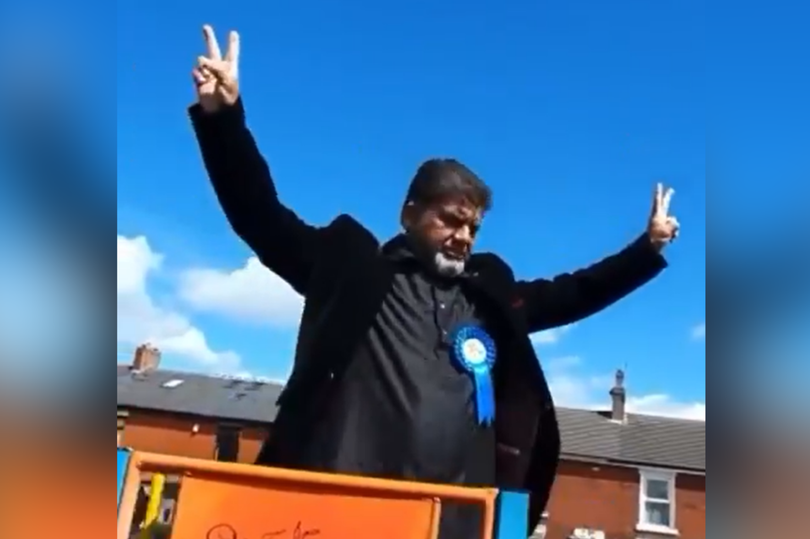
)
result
[(217, 78)]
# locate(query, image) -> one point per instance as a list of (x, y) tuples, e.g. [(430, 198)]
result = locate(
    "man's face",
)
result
[(446, 230)]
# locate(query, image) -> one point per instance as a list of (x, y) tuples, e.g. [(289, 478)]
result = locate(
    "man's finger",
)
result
[(211, 43), (675, 225), (667, 199), (656, 199), (199, 78), (218, 68), (232, 55)]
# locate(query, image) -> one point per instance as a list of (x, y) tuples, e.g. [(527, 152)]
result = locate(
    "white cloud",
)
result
[(699, 332), (578, 391), (550, 336), (249, 294), (664, 405), (575, 389), (141, 320)]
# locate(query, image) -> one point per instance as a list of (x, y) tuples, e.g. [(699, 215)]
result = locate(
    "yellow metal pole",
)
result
[(153, 505)]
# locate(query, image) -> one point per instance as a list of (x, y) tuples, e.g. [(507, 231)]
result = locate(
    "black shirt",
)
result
[(403, 409)]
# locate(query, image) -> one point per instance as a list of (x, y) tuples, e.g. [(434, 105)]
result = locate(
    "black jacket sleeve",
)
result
[(570, 297), (242, 182)]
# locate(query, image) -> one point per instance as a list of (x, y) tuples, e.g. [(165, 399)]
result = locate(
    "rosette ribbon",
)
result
[(474, 351)]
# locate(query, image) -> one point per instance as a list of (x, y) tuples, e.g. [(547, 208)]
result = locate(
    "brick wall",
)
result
[(174, 435), (607, 498)]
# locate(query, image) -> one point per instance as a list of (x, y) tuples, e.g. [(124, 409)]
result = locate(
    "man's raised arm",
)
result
[(240, 175), (570, 297)]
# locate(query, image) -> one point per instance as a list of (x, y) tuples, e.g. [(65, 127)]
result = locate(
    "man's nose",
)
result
[(464, 234)]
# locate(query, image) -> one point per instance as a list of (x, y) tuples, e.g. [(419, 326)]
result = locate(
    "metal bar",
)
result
[(168, 464), (129, 497), (512, 516), (153, 505), (123, 462)]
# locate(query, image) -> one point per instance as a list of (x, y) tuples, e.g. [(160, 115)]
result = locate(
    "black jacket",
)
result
[(339, 270)]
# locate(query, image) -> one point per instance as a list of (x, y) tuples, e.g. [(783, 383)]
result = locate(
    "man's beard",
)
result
[(448, 267), (435, 258)]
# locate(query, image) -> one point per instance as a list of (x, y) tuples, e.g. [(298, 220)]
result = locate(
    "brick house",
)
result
[(623, 476), (190, 414), (628, 476)]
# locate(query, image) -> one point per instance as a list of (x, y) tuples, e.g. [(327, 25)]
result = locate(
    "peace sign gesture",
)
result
[(662, 228), (217, 77)]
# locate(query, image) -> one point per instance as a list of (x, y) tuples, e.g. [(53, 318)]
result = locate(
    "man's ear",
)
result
[(407, 217)]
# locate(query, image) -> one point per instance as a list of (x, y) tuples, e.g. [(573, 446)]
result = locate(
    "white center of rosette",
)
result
[(474, 351)]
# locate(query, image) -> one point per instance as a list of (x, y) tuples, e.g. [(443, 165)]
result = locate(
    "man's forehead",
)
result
[(461, 207)]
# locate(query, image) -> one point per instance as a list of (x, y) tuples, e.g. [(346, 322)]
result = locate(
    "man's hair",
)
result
[(437, 179)]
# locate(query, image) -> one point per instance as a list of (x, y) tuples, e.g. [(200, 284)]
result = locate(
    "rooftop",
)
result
[(586, 434)]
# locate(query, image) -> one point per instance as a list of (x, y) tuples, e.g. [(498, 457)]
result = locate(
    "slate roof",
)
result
[(198, 394), (642, 440), (586, 434)]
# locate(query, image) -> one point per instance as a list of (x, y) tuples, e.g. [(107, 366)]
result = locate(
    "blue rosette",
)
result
[(474, 351)]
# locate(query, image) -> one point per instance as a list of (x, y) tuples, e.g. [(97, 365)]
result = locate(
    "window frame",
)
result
[(646, 475)]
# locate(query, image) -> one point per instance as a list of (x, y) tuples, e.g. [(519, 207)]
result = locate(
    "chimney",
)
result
[(618, 397), (147, 358)]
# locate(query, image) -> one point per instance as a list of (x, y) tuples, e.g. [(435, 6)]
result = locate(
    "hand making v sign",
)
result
[(217, 78), (662, 227)]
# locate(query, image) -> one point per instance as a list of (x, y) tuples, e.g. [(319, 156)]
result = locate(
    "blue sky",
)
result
[(570, 110)]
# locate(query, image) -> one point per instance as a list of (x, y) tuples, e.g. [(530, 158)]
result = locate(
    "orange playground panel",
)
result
[(239, 501)]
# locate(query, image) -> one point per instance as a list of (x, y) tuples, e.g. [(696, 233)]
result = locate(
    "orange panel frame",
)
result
[(298, 502), (220, 510)]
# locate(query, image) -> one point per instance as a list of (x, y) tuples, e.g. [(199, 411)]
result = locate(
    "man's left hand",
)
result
[(662, 227)]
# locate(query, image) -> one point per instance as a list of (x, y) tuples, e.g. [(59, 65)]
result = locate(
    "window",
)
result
[(227, 448), (657, 501)]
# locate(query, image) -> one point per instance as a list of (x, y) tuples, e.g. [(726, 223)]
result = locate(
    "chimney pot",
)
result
[(147, 358), (618, 397)]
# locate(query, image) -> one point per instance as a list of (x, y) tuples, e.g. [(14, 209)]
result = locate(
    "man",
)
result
[(408, 351)]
